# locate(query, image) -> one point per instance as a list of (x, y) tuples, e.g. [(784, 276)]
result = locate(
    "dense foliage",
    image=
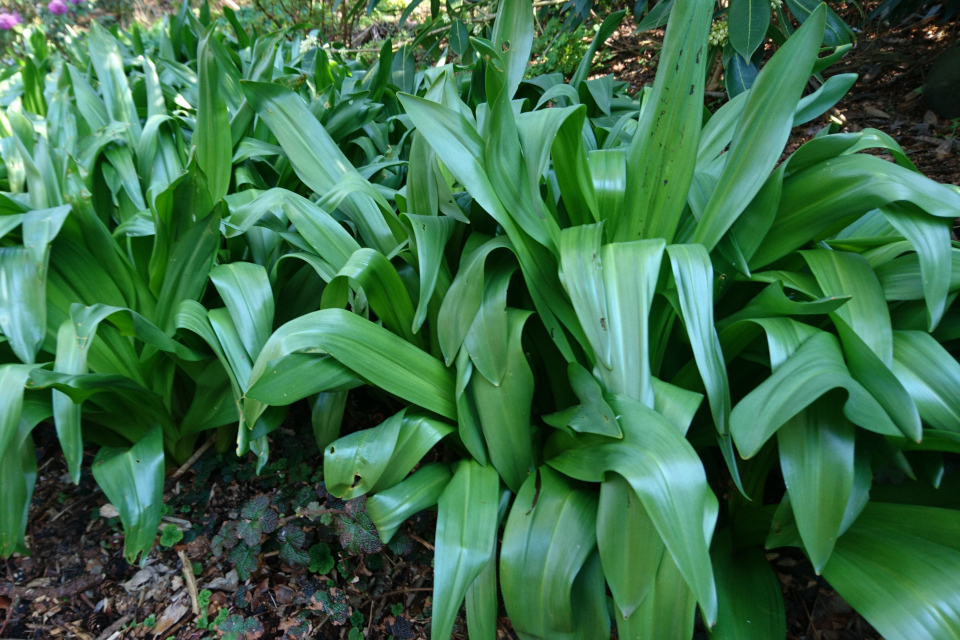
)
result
[(646, 344)]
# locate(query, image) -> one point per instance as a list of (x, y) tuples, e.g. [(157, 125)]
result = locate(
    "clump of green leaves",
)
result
[(321, 560), (170, 536)]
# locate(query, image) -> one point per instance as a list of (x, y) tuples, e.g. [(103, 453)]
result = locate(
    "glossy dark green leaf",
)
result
[(466, 535), (132, 479)]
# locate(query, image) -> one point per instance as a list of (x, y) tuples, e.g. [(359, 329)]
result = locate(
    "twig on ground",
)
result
[(196, 456), (55, 593), (191, 581), (115, 627)]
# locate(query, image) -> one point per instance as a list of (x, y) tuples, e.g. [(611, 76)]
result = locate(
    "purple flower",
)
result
[(9, 20), (57, 7)]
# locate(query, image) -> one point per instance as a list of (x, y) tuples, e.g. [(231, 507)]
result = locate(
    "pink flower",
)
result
[(9, 20), (57, 7)]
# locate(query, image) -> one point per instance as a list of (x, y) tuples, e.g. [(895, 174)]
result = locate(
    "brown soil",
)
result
[(891, 62)]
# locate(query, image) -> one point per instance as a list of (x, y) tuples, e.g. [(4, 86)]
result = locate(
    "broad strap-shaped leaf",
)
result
[(461, 304), (325, 235), (461, 149), (487, 341), (630, 272), (245, 289), (668, 611), (374, 353), (813, 369), (630, 547), (693, 275), (372, 273), (504, 410), (392, 507), (13, 379), (376, 459), (513, 34), (762, 130), (107, 60), (834, 192), (751, 604), (212, 135), (893, 566), (865, 332), (188, 267), (466, 535), (817, 459), (318, 161), (930, 375), (132, 479), (843, 273), (550, 533), (23, 305), (662, 154), (666, 474), (18, 475), (430, 236), (930, 238), (582, 277)]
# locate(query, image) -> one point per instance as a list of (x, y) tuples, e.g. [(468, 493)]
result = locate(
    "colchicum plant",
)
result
[(647, 346)]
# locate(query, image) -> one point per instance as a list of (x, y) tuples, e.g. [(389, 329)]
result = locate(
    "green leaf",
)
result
[(132, 479), (319, 162), (693, 275), (630, 547), (513, 35), (23, 307), (762, 130), (930, 375), (188, 267), (809, 372), (662, 154), (549, 535), (374, 353), (430, 236), (630, 273), (817, 458), (751, 604), (667, 613), (18, 470), (504, 410), (212, 135), (246, 291), (107, 60), (392, 507), (748, 22), (930, 238), (459, 36), (831, 194), (666, 474), (582, 277), (170, 536), (466, 535), (372, 273), (892, 566)]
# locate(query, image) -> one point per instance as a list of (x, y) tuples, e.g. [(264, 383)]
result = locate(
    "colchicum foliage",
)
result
[(648, 346)]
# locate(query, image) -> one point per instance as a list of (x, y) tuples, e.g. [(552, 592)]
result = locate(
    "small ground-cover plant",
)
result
[(645, 347)]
